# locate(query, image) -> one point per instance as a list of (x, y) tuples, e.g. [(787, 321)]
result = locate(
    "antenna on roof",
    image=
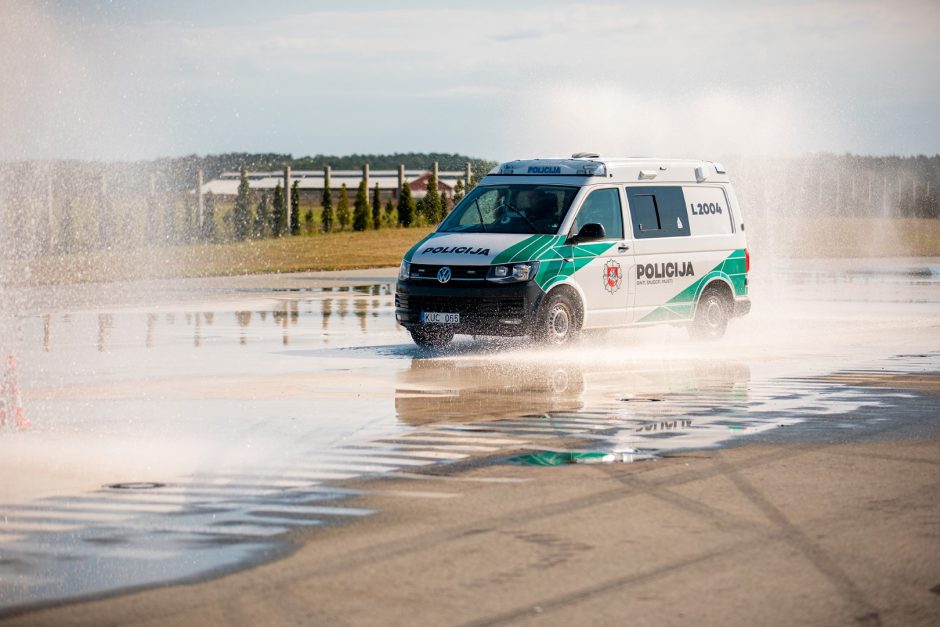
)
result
[(585, 155)]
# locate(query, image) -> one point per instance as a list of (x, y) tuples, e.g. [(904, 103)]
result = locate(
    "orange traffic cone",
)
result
[(5, 408), (22, 422), (14, 401)]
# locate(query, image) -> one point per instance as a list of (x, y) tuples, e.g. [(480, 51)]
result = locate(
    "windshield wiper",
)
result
[(535, 229), (480, 213)]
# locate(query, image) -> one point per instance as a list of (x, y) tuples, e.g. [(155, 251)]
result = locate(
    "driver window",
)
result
[(602, 206)]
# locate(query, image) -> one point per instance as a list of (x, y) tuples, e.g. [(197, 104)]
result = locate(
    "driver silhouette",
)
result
[(544, 212)]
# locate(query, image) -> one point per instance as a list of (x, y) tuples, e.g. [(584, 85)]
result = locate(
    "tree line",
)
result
[(67, 205), (839, 185), (256, 216)]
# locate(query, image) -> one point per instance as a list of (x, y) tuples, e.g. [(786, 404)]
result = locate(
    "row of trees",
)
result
[(254, 219), (69, 206), (840, 185)]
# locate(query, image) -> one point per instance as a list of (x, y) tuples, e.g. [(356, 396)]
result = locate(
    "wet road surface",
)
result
[(186, 428)]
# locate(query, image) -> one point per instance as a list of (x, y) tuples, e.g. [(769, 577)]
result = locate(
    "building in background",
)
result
[(310, 182)]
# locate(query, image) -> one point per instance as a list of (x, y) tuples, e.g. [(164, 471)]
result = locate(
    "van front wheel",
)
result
[(559, 319), (711, 315)]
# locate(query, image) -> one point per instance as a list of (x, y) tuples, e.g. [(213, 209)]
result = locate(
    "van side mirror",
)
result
[(590, 232)]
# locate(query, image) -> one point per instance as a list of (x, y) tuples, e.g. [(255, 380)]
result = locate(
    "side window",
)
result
[(709, 211), (658, 212), (602, 206), (645, 215)]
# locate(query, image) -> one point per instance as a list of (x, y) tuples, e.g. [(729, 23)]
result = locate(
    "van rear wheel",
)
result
[(431, 338), (559, 320), (711, 315)]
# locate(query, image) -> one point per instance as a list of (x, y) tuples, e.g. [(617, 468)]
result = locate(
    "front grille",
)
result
[(507, 307), (428, 272)]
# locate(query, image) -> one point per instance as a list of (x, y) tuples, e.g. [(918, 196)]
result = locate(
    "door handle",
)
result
[(623, 248)]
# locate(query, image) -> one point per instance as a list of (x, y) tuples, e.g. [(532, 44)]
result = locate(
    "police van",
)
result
[(551, 247)]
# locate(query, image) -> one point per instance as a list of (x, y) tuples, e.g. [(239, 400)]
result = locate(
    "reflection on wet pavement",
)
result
[(285, 313), (694, 405), (234, 420)]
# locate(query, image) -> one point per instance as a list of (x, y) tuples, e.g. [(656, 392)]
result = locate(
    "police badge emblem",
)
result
[(613, 276)]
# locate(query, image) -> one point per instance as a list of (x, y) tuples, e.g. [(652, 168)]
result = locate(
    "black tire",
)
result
[(711, 315), (559, 320), (431, 338)]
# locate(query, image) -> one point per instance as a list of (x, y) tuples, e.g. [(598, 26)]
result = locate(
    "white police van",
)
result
[(548, 247)]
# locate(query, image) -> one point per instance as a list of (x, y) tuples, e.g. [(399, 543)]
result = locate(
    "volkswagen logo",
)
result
[(443, 275)]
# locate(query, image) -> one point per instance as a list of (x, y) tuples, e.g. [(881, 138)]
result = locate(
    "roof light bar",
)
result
[(551, 167)]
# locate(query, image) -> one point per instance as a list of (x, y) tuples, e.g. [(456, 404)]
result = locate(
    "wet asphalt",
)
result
[(180, 430)]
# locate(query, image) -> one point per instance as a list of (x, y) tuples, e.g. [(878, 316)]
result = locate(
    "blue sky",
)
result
[(135, 80)]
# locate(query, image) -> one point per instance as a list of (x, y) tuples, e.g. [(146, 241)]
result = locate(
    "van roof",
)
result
[(620, 169)]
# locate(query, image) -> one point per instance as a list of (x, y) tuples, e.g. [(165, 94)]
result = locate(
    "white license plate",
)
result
[(436, 317)]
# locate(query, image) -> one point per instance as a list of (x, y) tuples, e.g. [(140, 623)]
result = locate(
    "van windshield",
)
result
[(511, 209)]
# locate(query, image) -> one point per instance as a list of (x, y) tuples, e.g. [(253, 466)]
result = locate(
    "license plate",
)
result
[(436, 317)]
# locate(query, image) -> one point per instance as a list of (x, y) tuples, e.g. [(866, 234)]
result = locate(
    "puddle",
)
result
[(561, 458), (372, 289), (902, 273), (177, 441), (818, 414)]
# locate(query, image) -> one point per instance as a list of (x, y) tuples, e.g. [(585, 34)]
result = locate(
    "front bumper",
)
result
[(485, 308)]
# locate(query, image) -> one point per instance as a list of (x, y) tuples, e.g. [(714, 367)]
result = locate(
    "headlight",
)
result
[(513, 272), (404, 271)]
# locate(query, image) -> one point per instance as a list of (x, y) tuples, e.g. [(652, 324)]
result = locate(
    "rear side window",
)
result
[(658, 212), (602, 207), (708, 210)]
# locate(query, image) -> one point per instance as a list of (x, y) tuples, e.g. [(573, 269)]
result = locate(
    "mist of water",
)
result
[(178, 387), (795, 204), (58, 216), (56, 103)]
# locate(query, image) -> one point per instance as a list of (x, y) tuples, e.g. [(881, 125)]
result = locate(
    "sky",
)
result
[(492, 79)]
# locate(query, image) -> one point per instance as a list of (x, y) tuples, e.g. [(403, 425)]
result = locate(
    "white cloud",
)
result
[(494, 79)]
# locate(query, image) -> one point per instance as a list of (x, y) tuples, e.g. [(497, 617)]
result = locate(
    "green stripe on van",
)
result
[(548, 249), (554, 268), (681, 305), (522, 251), (734, 266)]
